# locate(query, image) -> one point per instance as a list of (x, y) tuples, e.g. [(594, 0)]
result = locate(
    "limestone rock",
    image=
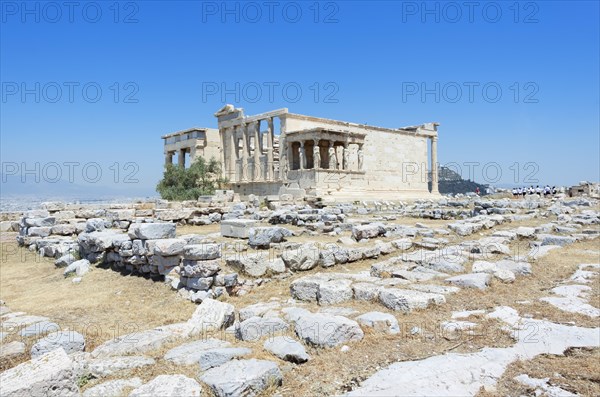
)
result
[(214, 357), (262, 237), (383, 322), (305, 257), (246, 378), (408, 300), (11, 349), (169, 246), (102, 367), (256, 328), (134, 343), (287, 349), (69, 341), (50, 375), (112, 388), (189, 353), (169, 386), (324, 330), (211, 315), (471, 280), (152, 231), (202, 252)]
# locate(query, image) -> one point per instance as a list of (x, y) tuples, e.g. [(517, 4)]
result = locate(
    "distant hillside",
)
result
[(450, 182)]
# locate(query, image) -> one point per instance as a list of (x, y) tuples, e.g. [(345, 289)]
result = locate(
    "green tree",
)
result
[(201, 178)]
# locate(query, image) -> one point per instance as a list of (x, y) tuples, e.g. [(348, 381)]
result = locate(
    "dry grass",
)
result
[(109, 301), (578, 371)]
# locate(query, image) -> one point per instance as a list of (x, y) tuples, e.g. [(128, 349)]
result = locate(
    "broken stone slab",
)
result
[(11, 349), (214, 357), (304, 257), (103, 367), (65, 260), (262, 237), (189, 353), (152, 231), (372, 230), (112, 387), (50, 375), (323, 330), (237, 228), (69, 341), (520, 268), (169, 246), (471, 280), (287, 349), (79, 267), (433, 288), (18, 319), (383, 322), (101, 241), (199, 268), (41, 328), (134, 343), (256, 264), (366, 291), (169, 386), (256, 328), (211, 315), (334, 292), (258, 309), (549, 239), (525, 232), (246, 378), (465, 229), (408, 300), (202, 252)]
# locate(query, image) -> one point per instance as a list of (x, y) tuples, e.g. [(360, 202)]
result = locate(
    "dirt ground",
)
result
[(107, 304)]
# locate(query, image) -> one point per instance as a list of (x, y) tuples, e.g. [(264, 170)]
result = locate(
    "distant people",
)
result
[(538, 191), (554, 190), (514, 192), (477, 191), (547, 191), (524, 191)]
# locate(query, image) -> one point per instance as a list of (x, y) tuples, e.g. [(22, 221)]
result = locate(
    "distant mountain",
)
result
[(450, 182)]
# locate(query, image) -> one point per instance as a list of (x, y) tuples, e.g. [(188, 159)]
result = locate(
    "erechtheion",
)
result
[(279, 152)]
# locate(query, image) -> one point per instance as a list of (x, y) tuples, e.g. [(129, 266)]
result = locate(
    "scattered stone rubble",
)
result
[(412, 268)]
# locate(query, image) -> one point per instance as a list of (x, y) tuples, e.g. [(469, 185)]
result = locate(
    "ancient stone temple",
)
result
[(202, 142), (279, 152)]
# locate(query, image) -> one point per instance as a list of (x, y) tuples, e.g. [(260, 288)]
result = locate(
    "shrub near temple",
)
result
[(201, 178)]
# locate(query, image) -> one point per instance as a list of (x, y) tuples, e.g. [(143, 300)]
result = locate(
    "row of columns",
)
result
[(238, 166), (331, 160), (180, 158)]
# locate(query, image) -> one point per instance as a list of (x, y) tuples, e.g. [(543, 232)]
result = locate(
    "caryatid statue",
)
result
[(317, 155), (346, 158), (360, 158), (332, 158), (302, 156)]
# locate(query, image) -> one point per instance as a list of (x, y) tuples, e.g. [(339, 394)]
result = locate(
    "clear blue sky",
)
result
[(355, 61)]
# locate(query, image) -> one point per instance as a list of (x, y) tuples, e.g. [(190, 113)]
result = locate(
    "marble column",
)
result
[(361, 157), (302, 156), (181, 159), (168, 158), (257, 152), (434, 165), (270, 132), (245, 153)]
